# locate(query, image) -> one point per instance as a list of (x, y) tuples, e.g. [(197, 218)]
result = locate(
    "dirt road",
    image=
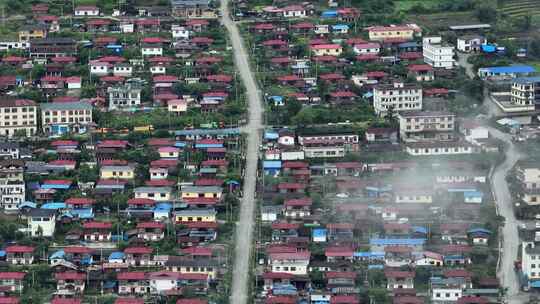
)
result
[(244, 229)]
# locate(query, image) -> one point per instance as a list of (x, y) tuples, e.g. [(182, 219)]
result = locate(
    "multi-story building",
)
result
[(525, 91), (470, 43), (52, 47), (192, 9), (381, 33), (530, 253), (124, 96), (18, 116), (12, 187), (10, 150), (58, 118), (445, 290), (328, 143), (33, 31), (528, 174), (437, 54), (418, 126), (399, 96)]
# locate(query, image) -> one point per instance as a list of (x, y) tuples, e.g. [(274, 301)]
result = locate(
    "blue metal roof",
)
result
[(329, 14), (109, 284), (163, 207), (319, 232), (179, 144), (57, 255), (200, 132), (534, 284), (272, 164), (28, 205), (479, 230), (473, 194), (527, 79), (510, 69), (53, 205), (340, 27), (117, 255), (419, 229), (55, 186), (206, 146), (269, 134), (389, 242), (375, 267), (369, 254), (83, 213)]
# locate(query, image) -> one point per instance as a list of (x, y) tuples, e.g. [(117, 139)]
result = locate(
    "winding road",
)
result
[(503, 199), (244, 229)]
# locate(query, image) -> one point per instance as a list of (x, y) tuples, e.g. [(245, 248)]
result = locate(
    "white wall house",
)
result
[(124, 70), (86, 11), (152, 50), (99, 68), (366, 48), (399, 96), (179, 32), (437, 54)]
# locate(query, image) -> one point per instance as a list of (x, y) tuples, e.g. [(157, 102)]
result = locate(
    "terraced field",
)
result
[(518, 8)]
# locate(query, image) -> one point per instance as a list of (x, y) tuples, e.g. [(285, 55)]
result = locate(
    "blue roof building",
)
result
[(329, 14), (54, 206), (506, 71)]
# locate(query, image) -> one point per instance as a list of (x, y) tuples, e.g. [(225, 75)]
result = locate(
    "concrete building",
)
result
[(470, 43), (528, 175), (419, 126), (399, 96), (42, 222), (525, 91), (437, 54), (124, 96), (18, 116), (58, 118)]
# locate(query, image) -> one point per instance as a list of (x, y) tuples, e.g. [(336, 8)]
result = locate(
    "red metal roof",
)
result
[(138, 250), (66, 301), (9, 300), (303, 25), (64, 59), (343, 94), (353, 41), (344, 299), (150, 225), (140, 201), (208, 182), (420, 67), (285, 225), (278, 60), (159, 183), (331, 76), (219, 78), (264, 26), (19, 249), (457, 273), (129, 301), (339, 226), (111, 59), (97, 225), (191, 301), (77, 249), (165, 78), (12, 275), (70, 275), (339, 251), (295, 186), (131, 275), (111, 143), (193, 225), (197, 251), (330, 46), (164, 163), (288, 78), (473, 300), (411, 55), (280, 300), (340, 274), (277, 275), (305, 201), (398, 274), (80, 201), (192, 22), (295, 165)]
